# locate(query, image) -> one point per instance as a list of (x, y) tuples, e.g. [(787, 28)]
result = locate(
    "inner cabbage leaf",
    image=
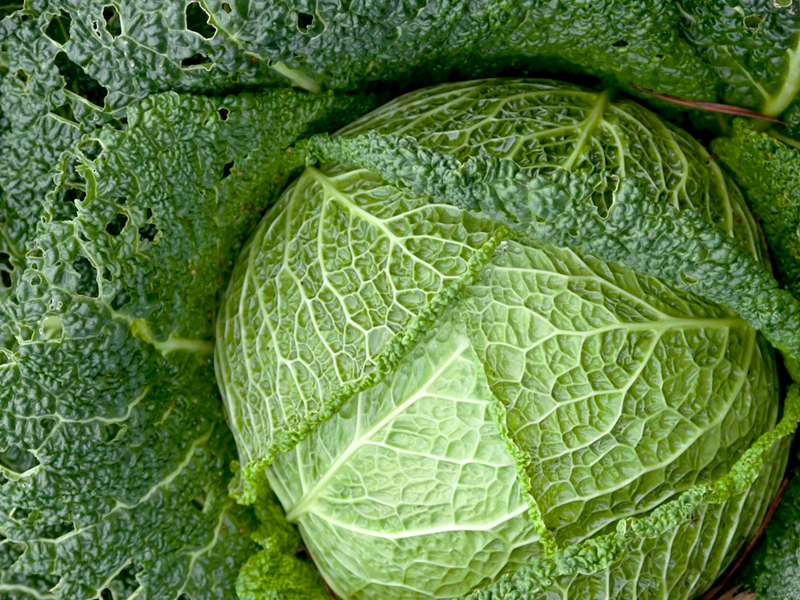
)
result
[(613, 391)]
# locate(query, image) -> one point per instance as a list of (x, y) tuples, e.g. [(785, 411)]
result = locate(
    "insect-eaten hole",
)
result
[(21, 76), (304, 21), (79, 81), (227, 7), (198, 20), (113, 21), (106, 594), (86, 284), (90, 148), (58, 28), (687, 280), (148, 231), (223, 114), (6, 271), (111, 431), (196, 60), (226, 170), (117, 224), (620, 44), (120, 299), (51, 329), (65, 112), (753, 22), (66, 208), (199, 502), (17, 460)]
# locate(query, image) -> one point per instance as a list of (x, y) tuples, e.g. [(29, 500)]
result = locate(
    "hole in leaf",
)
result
[(620, 44), (122, 201), (195, 60), (17, 460), (106, 595), (304, 21), (87, 277), (199, 502), (47, 425), (120, 300), (148, 212), (107, 274), (91, 149), (116, 226), (65, 112), (5, 279), (113, 21), (58, 28), (197, 20), (111, 431), (223, 113), (79, 82), (21, 76), (67, 208), (36, 280), (52, 328), (6, 268), (226, 170), (753, 22), (687, 280), (148, 231), (82, 237), (52, 531), (227, 7)]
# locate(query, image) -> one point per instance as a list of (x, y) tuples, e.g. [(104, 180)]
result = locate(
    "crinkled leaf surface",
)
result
[(773, 571), (753, 46), (620, 391), (769, 171), (108, 392), (404, 461)]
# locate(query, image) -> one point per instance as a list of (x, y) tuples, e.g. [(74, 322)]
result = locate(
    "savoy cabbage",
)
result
[(510, 338)]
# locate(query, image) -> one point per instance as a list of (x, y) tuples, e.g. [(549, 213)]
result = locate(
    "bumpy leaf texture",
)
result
[(116, 457), (467, 396), (135, 276)]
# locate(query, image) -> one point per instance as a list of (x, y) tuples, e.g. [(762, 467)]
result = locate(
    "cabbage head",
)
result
[(447, 399)]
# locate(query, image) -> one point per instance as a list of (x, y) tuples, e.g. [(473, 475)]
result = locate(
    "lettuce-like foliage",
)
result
[(439, 396), (111, 423), (129, 272)]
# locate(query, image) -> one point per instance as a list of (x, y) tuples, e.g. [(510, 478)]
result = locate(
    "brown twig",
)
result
[(725, 580), (716, 107)]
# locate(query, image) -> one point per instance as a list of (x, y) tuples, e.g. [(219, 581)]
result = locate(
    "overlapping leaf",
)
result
[(108, 392)]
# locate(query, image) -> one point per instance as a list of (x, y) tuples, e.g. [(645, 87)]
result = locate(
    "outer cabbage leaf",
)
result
[(753, 46), (769, 171), (773, 570), (110, 413)]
